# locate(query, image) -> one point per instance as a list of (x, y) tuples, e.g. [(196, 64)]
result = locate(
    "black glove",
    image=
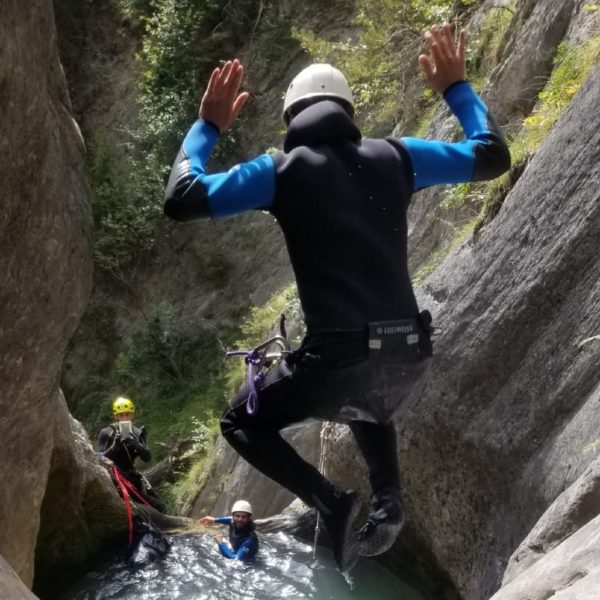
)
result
[(133, 444)]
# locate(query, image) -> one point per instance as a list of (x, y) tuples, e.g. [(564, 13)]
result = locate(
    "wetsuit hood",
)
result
[(238, 534), (321, 123)]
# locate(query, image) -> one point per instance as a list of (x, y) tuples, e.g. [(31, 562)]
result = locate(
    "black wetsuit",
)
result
[(123, 454), (244, 541), (341, 201)]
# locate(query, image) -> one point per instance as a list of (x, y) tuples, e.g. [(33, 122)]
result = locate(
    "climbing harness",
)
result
[(261, 361), (326, 430)]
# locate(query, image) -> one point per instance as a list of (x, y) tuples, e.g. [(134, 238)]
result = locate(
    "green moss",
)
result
[(572, 67), (484, 47), (573, 64)]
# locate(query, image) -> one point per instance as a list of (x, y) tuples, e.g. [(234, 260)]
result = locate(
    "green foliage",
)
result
[(173, 371), (257, 326), (187, 484), (572, 66), (389, 37), (167, 345), (168, 88), (254, 330), (123, 222), (183, 41), (483, 49), (215, 266), (456, 196), (180, 40)]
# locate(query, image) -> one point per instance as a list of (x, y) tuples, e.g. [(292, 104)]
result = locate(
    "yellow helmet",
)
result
[(123, 405)]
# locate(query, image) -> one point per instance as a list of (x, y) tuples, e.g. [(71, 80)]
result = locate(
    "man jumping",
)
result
[(341, 201)]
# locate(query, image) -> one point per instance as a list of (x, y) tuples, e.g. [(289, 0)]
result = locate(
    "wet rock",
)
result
[(11, 587), (536, 30), (296, 519), (82, 515), (571, 571), (46, 268), (571, 511), (498, 428), (163, 521)]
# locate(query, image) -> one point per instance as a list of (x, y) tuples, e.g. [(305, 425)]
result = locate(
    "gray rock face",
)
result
[(81, 512), (498, 430), (536, 29), (45, 271), (573, 509), (571, 571), (296, 519)]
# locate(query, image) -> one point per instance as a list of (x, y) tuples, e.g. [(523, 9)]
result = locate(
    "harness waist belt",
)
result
[(401, 339)]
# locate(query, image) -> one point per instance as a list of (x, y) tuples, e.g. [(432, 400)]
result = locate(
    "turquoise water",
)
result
[(284, 569)]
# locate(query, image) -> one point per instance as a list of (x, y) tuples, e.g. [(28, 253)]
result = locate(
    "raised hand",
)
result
[(206, 521), (446, 62), (221, 103)]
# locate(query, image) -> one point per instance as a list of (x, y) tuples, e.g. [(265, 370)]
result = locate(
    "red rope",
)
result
[(127, 488), (126, 500)]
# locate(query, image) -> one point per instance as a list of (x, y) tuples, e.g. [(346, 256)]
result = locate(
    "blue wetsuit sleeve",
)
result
[(483, 155), (246, 551), (193, 194), (226, 551), (224, 520)]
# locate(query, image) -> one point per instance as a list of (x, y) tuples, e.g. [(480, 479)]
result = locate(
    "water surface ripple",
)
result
[(284, 569)]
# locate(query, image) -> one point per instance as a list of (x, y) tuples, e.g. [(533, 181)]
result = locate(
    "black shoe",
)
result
[(338, 515), (380, 531)]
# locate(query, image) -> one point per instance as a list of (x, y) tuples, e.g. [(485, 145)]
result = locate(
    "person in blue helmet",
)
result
[(341, 201), (243, 541)]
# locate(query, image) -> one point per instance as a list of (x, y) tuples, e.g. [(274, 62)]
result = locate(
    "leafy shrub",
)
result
[(180, 40), (389, 37), (572, 66), (255, 329), (123, 222)]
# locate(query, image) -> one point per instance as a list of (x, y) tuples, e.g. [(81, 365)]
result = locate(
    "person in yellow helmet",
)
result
[(122, 442)]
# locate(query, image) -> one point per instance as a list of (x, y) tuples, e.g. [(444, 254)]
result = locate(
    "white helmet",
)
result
[(318, 80), (242, 506)]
